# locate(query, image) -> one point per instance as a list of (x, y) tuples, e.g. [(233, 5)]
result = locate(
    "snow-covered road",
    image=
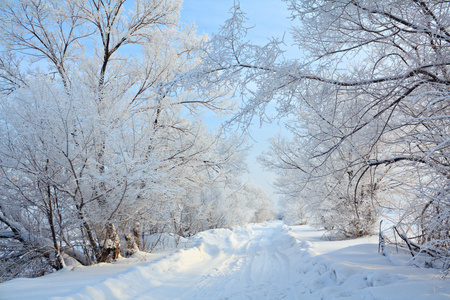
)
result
[(252, 263), (270, 261)]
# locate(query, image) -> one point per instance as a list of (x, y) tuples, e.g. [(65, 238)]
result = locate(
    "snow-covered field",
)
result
[(270, 261)]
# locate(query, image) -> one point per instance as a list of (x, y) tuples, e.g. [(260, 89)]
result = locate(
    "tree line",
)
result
[(102, 145), (96, 142), (367, 107)]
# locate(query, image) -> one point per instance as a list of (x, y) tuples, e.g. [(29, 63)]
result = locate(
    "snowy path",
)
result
[(224, 264), (268, 261), (255, 267)]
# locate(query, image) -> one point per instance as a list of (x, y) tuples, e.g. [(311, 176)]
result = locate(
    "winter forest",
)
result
[(105, 144)]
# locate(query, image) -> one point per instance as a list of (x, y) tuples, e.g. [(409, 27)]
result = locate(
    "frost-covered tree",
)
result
[(99, 136), (375, 77)]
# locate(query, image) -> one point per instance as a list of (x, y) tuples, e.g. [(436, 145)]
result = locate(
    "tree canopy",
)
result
[(367, 103), (102, 144)]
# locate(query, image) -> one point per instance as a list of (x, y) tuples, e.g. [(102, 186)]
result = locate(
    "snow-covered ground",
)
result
[(270, 261)]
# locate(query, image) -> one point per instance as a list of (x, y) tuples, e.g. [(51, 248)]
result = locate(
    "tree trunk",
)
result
[(111, 246)]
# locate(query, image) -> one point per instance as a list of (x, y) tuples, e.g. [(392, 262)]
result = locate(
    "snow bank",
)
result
[(354, 270), (270, 261)]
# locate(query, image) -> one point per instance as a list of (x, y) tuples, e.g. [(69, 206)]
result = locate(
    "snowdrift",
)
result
[(270, 261)]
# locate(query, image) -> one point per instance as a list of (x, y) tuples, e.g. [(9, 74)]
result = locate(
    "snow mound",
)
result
[(270, 261)]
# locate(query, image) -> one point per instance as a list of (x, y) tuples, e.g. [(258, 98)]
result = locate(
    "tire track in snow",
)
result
[(241, 263), (262, 262), (257, 269)]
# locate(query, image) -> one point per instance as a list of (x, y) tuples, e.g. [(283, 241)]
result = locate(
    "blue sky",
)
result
[(270, 19)]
